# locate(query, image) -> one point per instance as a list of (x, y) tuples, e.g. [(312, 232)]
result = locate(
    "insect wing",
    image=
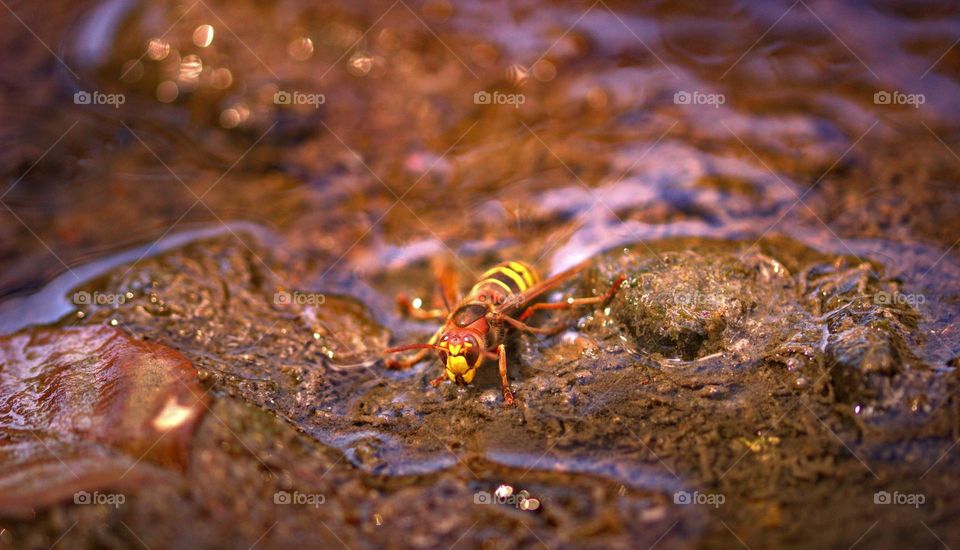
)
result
[(519, 302)]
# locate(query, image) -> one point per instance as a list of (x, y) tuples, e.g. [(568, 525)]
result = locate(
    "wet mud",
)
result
[(199, 283)]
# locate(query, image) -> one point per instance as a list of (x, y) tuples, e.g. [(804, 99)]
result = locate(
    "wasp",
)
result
[(473, 331)]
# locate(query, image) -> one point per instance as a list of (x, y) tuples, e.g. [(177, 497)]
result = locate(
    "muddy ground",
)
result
[(196, 290), (775, 390)]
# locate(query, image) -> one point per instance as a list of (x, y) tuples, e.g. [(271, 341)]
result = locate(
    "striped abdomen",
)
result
[(503, 282)]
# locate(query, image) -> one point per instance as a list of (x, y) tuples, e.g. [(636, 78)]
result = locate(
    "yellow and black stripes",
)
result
[(502, 281)]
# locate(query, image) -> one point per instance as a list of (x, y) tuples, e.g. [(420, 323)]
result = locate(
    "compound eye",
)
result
[(472, 351), (473, 356), (443, 356)]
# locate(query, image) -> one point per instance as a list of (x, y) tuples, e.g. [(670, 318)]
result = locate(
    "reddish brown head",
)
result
[(461, 352)]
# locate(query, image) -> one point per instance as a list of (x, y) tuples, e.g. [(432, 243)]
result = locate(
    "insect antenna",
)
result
[(410, 347)]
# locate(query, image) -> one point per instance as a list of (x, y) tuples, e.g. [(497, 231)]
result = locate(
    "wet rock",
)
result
[(860, 333), (80, 408), (688, 305), (249, 332), (861, 357)]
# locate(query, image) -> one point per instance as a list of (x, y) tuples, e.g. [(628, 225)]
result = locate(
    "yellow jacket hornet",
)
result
[(474, 330)]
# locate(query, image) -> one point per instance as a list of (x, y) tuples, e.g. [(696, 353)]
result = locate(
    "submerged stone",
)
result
[(83, 408)]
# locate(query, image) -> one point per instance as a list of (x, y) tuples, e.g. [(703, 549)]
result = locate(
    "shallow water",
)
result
[(819, 133)]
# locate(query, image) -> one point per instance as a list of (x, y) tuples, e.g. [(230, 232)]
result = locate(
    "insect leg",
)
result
[(519, 325), (574, 302), (406, 307), (507, 394), (448, 282), (438, 380)]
